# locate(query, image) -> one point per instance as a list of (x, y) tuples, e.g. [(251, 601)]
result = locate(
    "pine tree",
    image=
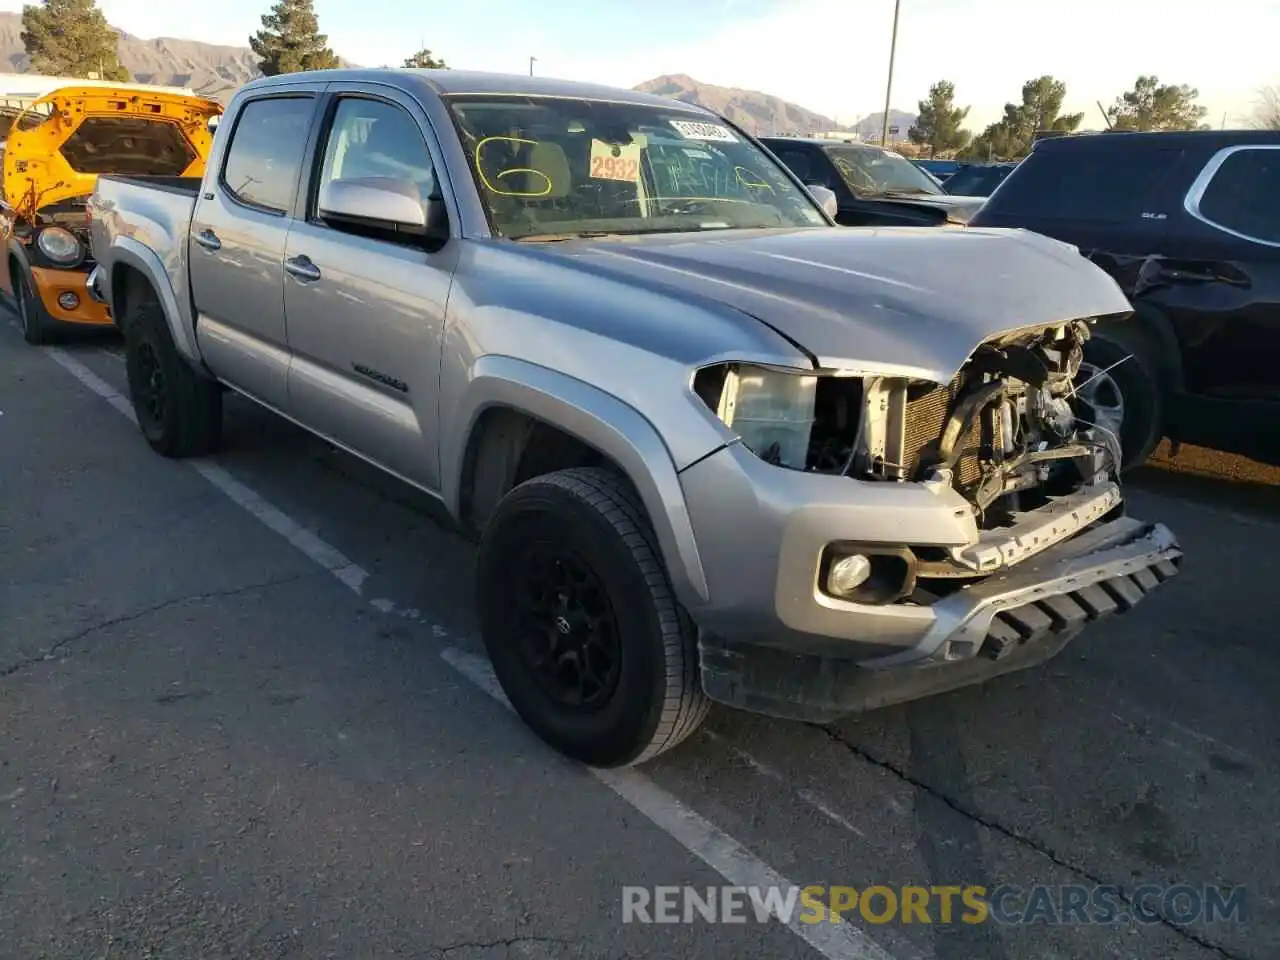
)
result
[(939, 124), (425, 60), (71, 38), (290, 40)]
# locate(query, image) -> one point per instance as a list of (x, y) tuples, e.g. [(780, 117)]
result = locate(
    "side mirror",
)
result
[(383, 203), (826, 198)]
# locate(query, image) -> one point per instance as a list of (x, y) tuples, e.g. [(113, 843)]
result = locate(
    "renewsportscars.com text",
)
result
[(971, 904)]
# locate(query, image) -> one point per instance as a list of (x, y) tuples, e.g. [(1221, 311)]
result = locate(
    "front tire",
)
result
[(33, 319), (178, 411), (1125, 394), (580, 623)]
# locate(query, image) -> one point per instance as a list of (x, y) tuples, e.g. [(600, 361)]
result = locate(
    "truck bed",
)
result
[(151, 212), (190, 186)]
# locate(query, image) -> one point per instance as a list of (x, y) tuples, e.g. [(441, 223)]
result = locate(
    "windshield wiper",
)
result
[(559, 237)]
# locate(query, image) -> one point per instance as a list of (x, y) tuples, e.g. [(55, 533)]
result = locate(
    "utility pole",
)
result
[(888, 90), (532, 60)]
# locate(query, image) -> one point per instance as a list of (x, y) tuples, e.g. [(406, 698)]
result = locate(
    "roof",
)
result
[(1204, 139), (459, 82)]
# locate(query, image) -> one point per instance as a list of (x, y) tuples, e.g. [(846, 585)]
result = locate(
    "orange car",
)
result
[(54, 153)]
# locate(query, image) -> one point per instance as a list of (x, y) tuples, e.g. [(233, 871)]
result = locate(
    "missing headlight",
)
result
[(794, 419)]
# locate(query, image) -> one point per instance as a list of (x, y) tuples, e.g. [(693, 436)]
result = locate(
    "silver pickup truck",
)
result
[(713, 447)]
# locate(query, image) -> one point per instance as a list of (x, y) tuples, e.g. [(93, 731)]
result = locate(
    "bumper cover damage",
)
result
[(1014, 619)]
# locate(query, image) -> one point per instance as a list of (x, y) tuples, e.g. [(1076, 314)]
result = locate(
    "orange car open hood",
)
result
[(133, 131)]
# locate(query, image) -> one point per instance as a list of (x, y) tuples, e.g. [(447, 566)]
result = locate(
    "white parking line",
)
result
[(699, 836), (695, 833)]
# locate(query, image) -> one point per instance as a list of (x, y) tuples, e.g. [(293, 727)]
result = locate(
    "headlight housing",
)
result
[(60, 246), (772, 410)]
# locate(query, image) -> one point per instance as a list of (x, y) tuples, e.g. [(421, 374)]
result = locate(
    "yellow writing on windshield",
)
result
[(510, 171), (751, 179)]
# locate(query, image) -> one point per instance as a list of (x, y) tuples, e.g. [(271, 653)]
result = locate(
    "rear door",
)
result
[(366, 310), (1224, 279), (237, 243)]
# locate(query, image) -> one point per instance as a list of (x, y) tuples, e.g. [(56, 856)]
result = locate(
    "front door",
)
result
[(366, 310), (237, 242)]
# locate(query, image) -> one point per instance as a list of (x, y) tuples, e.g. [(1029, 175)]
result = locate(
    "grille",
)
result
[(926, 416)]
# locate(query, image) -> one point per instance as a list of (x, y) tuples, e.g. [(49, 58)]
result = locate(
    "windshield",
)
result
[(870, 170), (553, 167), (977, 181)]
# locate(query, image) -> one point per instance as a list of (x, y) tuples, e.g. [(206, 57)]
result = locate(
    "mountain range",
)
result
[(764, 114), (217, 71), (211, 70)]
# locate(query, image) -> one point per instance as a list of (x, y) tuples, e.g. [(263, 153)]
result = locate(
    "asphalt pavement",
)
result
[(244, 713)]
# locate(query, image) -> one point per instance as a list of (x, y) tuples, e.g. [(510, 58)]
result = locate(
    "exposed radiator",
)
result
[(926, 417)]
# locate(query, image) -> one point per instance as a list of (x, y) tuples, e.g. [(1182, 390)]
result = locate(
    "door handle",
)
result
[(302, 268), (208, 239)]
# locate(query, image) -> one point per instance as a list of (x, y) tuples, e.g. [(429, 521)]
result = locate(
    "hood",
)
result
[(899, 301), (957, 209), (57, 149)]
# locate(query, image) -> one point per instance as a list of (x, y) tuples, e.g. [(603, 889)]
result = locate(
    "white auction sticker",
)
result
[(697, 130)]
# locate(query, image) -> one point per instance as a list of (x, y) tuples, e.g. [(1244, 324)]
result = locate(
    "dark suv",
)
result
[(874, 187), (1189, 226)]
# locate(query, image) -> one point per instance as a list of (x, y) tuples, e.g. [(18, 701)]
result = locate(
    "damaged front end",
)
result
[(1010, 432), (981, 529)]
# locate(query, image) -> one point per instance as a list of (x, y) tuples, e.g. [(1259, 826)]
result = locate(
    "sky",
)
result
[(831, 56)]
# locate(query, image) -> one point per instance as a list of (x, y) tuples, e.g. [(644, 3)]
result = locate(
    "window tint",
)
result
[(1244, 195), (1100, 184), (798, 162), (369, 138), (976, 181), (266, 151)]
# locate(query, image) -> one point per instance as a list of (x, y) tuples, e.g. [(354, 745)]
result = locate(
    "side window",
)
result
[(266, 150), (1100, 185), (1244, 195), (369, 138), (797, 162)]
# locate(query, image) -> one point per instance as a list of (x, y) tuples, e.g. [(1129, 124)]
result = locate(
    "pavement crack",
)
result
[(503, 942), (1030, 843), (52, 651)]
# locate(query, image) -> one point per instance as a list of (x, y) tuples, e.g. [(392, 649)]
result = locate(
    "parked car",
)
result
[(712, 445), (941, 170), (56, 148), (978, 179), (873, 186), (1189, 225)]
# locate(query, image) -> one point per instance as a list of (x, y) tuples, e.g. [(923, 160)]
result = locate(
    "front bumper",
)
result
[(793, 652), (52, 284)]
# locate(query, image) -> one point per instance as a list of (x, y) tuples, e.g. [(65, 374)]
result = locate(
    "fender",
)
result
[(15, 251), (600, 421), (126, 251)]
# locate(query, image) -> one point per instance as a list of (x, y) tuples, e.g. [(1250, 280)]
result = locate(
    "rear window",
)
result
[(976, 181), (1102, 184), (265, 156), (1244, 195), (132, 146)]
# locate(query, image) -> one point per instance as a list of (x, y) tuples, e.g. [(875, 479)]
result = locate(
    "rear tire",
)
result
[(1134, 383), (580, 622), (178, 411), (33, 319)]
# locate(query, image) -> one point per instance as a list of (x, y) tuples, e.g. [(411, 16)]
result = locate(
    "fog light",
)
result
[(847, 574), (68, 300)]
